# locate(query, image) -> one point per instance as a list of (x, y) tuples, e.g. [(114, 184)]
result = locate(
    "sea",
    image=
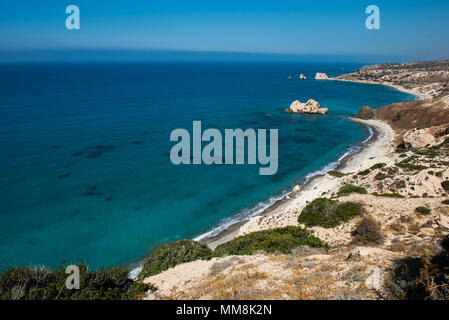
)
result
[(85, 148)]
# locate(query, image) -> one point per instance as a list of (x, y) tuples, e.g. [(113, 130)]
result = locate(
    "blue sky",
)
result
[(410, 30)]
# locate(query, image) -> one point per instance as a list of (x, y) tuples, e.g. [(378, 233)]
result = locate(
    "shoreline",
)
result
[(346, 163), (418, 95)]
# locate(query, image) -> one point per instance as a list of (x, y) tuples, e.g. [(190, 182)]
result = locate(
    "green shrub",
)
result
[(349, 188), (388, 195), (379, 165), (401, 184), (400, 150), (445, 185), (368, 231), (364, 172), (439, 174), (445, 201), (24, 283), (409, 166), (380, 176), (279, 239), (335, 173), (328, 213), (422, 210), (172, 254)]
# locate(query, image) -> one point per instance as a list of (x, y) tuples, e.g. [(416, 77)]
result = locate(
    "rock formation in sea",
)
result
[(302, 77), (311, 106), (365, 113), (321, 76)]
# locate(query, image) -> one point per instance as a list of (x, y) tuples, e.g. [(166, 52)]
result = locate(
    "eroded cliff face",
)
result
[(409, 119)]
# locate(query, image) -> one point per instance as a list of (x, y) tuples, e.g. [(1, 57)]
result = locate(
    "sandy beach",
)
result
[(284, 212)]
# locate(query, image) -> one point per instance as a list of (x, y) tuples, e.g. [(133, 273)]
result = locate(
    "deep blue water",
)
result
[(73, 134)]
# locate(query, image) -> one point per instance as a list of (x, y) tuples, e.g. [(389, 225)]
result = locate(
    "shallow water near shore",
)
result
[(86, 173)]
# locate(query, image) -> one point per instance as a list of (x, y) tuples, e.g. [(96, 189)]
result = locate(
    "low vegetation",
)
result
[(368, 231), (328, 213), (172, 254), (364, 172), (379, 165), (273, 240), (335, 173), (445, 185), (409, 166), (422, 278), (42, 284), (349, 188), (445, 202), (388, 195), (422, 210)]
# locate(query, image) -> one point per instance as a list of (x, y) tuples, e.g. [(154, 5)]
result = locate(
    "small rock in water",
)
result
[(108, 198)]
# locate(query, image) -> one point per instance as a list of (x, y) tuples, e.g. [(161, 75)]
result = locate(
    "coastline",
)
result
[(417, 94), (317, 185)]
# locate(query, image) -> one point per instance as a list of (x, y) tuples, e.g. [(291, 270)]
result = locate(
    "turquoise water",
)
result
[(73, 134)]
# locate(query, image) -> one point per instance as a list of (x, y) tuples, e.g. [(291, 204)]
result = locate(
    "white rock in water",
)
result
[(321, 76), (310, 106), (302, 77), (296, 188)]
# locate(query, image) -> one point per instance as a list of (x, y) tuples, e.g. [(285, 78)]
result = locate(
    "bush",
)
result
[(421, 278), (335, 173), (172, 254), (379, 165), (349, 188), (279, 239), (445, 185), (368, 231), (445, 201), (328, 213), (380, 176), (388, 195), (422, 210), (410, 166), (42, 284), (364, 172)]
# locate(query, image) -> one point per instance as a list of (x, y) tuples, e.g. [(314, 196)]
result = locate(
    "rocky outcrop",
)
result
[(311, 106), (302, 77), (418, 138), (321, 76), (365, 113)]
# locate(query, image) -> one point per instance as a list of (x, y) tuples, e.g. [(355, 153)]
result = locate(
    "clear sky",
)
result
[(410, 29)]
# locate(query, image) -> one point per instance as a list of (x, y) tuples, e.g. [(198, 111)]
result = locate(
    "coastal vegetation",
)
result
[(424, 277), (25, 283), (388, 195), (336, 173), (422, 210), (368, 231), (328, 213), (379, 165), (172, 254), (445, 185), (349, 188), (273, 240)]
